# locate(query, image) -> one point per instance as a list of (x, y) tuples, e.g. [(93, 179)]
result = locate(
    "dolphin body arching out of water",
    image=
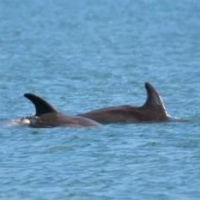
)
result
[(153, 110), (47, 116)]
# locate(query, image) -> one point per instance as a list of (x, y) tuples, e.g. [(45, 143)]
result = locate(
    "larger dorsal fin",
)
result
[(154, 100), (41, 106)]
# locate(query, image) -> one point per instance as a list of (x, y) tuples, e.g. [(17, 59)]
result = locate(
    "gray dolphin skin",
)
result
[(47, 116), (153, 110)]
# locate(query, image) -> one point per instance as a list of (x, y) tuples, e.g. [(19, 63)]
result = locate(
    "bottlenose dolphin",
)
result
[(47, 116), (153, 110)]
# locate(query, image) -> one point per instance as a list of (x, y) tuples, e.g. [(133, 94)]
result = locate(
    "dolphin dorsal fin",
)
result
[(154, 100), (41, 106)]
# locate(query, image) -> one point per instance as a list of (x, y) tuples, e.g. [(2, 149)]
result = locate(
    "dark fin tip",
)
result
[(148, 85)]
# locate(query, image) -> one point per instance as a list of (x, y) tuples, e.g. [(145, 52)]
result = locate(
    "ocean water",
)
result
[(83, 55)]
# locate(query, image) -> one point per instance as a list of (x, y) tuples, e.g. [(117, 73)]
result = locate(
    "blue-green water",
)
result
[(82, 55)]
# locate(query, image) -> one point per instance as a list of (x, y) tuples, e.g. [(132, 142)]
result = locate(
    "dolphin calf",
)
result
[(47, 116), (153, 110)]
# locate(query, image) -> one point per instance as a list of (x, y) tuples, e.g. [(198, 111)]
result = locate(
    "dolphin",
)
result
[(153, 110), (47, 116)]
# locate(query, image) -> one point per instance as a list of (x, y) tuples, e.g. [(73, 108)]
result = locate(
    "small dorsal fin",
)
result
[(41, 106), (153, 97)]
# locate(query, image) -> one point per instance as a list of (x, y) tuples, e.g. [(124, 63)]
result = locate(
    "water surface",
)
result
[(82, 55)]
